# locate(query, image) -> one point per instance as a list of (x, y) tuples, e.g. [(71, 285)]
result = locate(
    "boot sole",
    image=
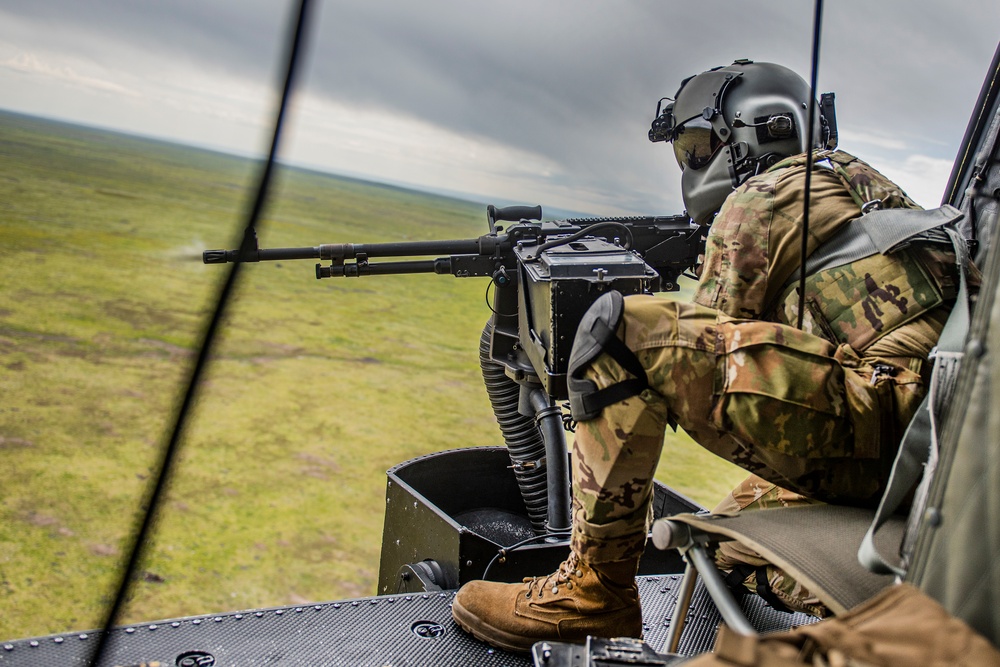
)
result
[(500, 639)]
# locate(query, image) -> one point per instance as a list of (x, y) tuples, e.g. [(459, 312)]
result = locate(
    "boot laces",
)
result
[(567, 570)]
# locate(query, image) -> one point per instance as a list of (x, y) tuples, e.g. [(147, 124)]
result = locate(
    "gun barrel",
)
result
[(342, 251)]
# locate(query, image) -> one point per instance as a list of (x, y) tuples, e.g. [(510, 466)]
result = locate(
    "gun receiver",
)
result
[(546, 274)]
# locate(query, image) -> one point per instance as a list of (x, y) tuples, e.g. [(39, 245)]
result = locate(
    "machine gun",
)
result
[(545, 276)]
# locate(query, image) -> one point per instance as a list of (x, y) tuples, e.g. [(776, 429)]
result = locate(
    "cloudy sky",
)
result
[(521, 101)]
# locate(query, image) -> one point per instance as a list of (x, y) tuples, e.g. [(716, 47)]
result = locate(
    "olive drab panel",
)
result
[(956, 555), (956, 559)]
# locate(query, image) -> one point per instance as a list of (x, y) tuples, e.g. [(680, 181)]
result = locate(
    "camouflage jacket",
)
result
[(753, 255)]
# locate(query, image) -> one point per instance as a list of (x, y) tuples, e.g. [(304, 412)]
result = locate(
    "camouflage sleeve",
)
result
[(754, 244)]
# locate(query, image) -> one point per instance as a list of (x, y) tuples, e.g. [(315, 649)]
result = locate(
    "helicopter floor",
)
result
[(412, 629)]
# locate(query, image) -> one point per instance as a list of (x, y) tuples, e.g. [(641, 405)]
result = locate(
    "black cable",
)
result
[(586, 231), (169, 454), (502, 553), (817, 29), (489, 303)]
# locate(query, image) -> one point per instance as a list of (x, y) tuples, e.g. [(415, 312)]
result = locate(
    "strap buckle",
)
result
[(873, 205)]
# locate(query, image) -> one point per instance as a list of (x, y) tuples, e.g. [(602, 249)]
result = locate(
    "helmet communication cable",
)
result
[(161, 476), (817, 30)]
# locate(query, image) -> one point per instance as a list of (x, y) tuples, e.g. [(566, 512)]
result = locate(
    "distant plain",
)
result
[(316, 388)]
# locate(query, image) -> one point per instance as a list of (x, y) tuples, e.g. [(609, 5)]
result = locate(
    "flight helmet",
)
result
[(730, 123)]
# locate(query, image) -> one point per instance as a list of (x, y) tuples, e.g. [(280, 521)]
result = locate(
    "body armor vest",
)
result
[(861, 302)]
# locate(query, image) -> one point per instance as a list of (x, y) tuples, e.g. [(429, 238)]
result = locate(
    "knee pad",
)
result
[(597, 334)]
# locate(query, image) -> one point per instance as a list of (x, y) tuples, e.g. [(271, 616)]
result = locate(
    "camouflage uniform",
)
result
[(755, 493), (819, 411)]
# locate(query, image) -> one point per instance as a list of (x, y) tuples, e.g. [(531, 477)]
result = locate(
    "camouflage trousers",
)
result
[(786, 405), (755, 493)]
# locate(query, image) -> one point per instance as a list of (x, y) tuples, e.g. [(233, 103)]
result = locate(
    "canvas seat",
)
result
[(815, 544)]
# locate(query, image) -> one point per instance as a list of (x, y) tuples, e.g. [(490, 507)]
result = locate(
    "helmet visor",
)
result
[(695, 143)]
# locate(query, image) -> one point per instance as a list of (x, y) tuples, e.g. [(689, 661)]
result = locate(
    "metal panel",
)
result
[(396, 630), (438, 507)]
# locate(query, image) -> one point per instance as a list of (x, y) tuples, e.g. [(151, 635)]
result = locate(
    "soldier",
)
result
[(815, 414)]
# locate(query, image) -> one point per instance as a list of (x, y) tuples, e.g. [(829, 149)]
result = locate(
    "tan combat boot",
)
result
[(576, 601)]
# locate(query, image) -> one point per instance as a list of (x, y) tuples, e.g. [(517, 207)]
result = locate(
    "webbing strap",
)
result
[(765, 591), (735, 582), (736, 578), (910, 459), (918, 450), (879, 231), (617, 350)]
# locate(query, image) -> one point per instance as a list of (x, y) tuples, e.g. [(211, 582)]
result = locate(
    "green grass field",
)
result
[(315, 390)]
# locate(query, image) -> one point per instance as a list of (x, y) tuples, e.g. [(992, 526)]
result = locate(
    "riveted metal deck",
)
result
[(391, 630)]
